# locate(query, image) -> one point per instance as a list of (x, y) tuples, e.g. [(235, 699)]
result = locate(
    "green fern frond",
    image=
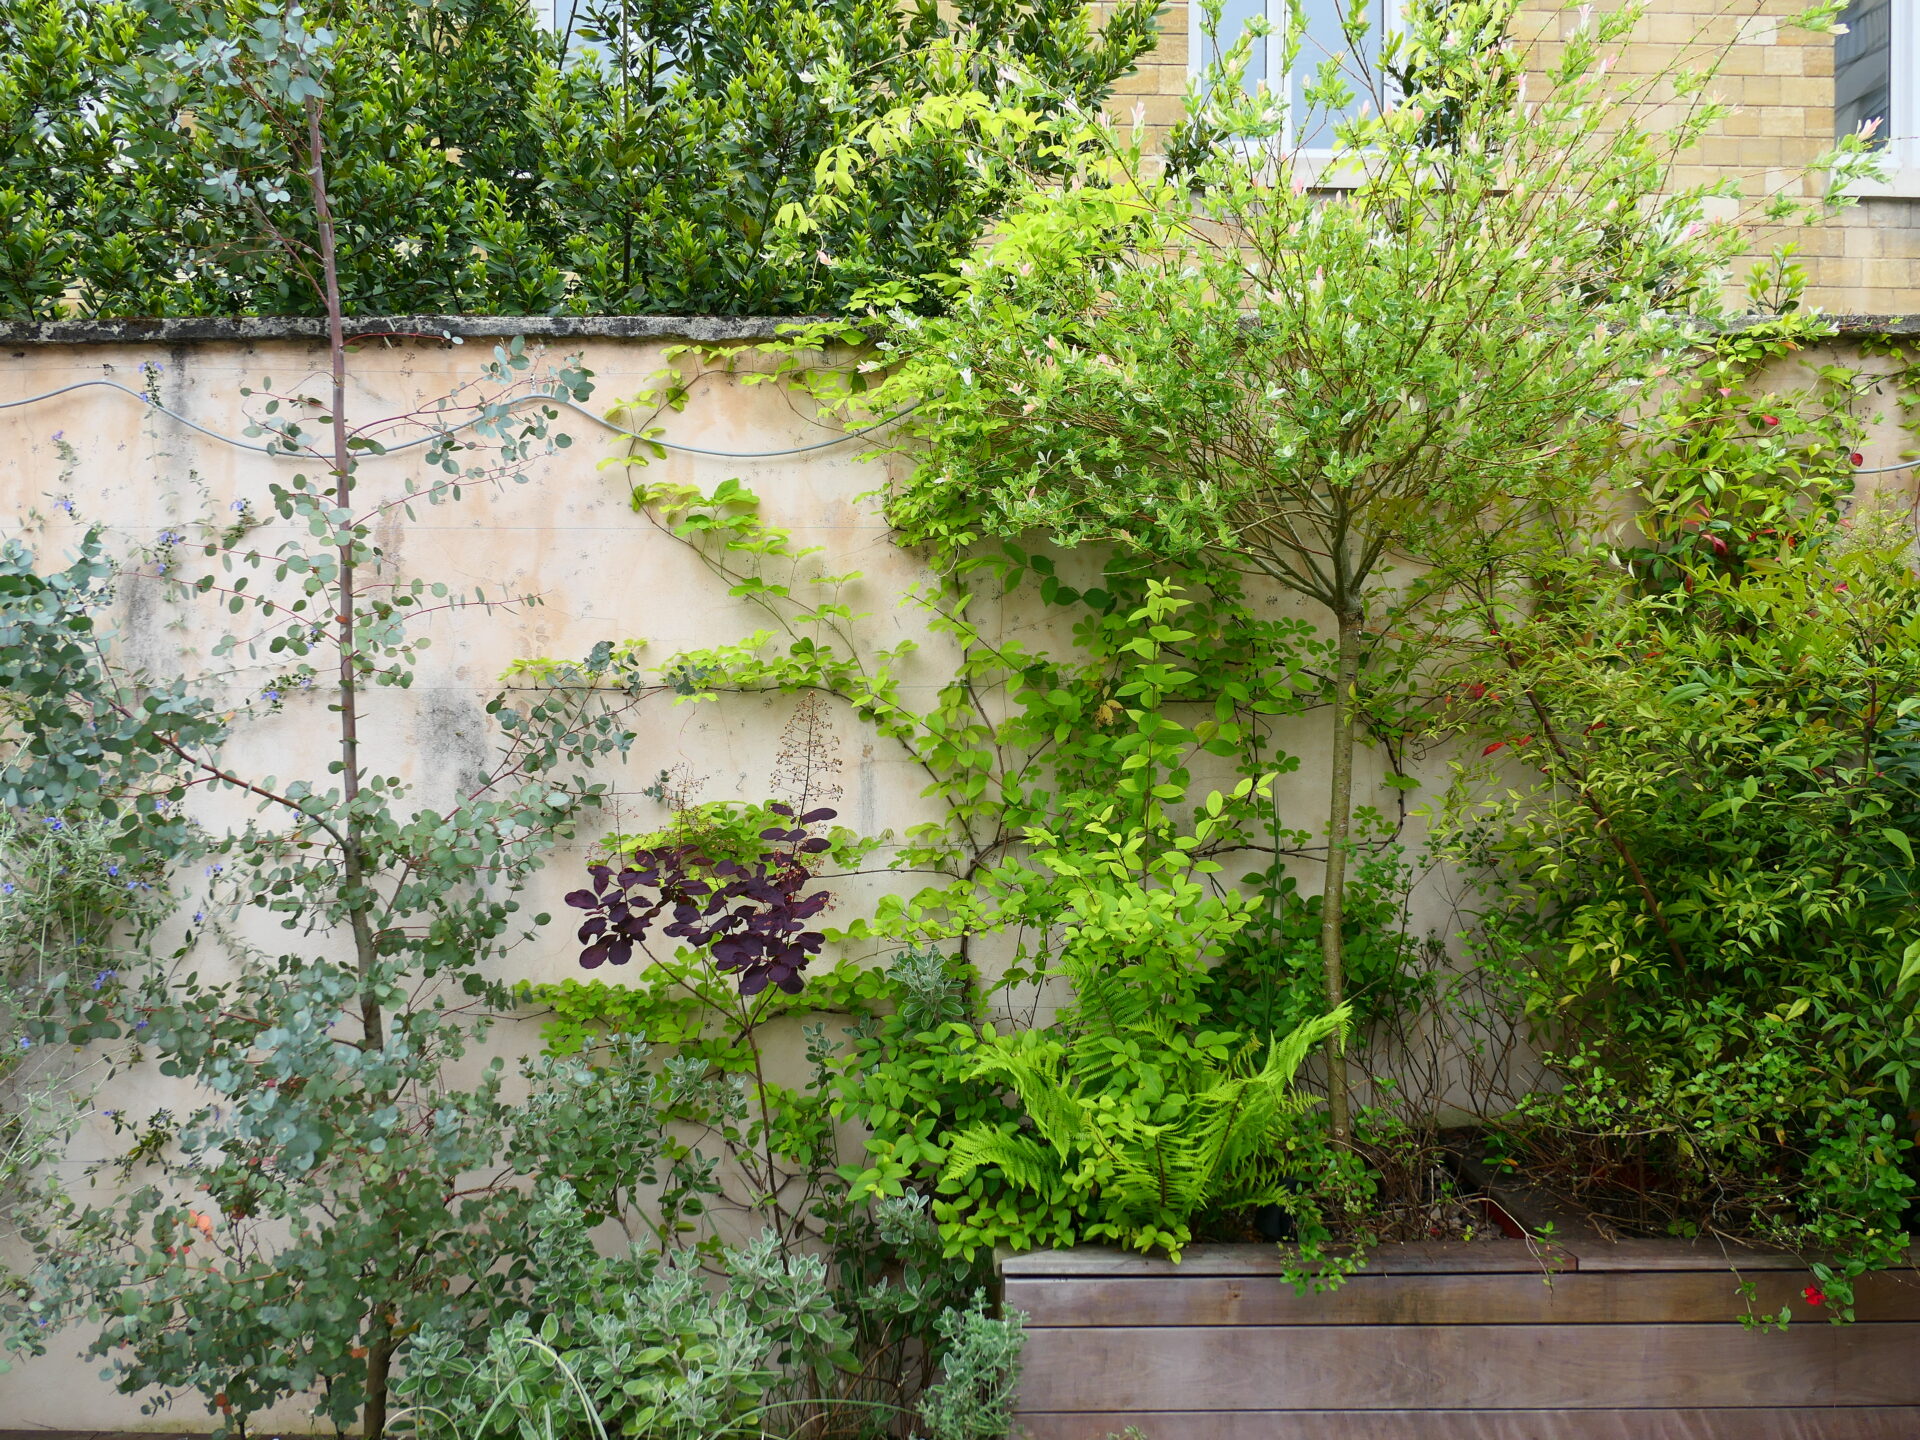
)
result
[(1287, 1055), (1024, 1160), (1032, 1070)]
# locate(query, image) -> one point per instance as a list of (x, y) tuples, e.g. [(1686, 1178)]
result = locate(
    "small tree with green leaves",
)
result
[(1318, 371), (330, 1189)]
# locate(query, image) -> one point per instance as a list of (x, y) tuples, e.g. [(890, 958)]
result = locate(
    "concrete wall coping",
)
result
[(700, 328), (246, 328)]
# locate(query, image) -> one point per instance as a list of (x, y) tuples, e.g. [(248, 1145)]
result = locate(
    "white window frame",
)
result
[(1317, 162), (1902, 152)]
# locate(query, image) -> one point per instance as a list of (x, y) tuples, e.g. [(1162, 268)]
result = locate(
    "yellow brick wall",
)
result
[(1864, 261)]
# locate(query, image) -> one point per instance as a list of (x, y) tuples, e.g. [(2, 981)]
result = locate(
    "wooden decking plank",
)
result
[(1440, 1258), (1601, 1298), (1501, 1367), (1677, 1255), (1801, 1423)]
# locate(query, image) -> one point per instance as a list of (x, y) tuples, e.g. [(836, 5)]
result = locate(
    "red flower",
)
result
[(1496, 745), (1815, 1295), (1770, 420), (1857, 458)]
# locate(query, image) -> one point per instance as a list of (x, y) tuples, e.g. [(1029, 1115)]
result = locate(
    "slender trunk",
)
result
[(380, 1341), (353, 857), (1333, 895), (380, 1347)]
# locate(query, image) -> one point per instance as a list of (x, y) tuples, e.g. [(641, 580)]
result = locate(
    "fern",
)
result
[(1139, 1119)]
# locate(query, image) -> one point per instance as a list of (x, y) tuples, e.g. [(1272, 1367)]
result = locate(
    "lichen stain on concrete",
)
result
[(451, 741)]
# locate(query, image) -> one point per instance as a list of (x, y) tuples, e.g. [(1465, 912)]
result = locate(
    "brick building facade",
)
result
[(1782, 83)]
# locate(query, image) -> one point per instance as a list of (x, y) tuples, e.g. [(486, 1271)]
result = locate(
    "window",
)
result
[(1876, 78), (1325, 39)]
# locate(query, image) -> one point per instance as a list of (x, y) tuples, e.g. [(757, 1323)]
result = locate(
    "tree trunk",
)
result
[(380, 1346), (1333, 895), (353, 857), (380, 1340)]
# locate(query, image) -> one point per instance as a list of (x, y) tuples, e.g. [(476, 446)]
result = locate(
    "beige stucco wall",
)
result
[(601, 571), (1780, 79)]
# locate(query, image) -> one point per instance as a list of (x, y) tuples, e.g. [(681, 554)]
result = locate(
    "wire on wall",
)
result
[(517, 402)]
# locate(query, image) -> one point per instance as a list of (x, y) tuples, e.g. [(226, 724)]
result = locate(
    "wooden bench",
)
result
[(1502, 1340)]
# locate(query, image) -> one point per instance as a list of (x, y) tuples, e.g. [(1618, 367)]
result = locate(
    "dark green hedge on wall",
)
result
[(481, 164)]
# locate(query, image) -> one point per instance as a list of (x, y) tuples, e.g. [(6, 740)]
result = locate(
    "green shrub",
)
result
[(1707, 900)]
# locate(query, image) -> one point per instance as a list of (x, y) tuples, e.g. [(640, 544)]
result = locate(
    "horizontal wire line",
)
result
[(514, 404)]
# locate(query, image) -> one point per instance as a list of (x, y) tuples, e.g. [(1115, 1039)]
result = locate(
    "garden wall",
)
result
[(91, 456)]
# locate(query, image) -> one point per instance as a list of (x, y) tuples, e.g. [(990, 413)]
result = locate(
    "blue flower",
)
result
[(103, 977), (238, 506), (25, 1043), (6, 889), (270, 694), (198, 916), (56, 822), (141, 1026), (114, 871), (59, 435), (64, 504)]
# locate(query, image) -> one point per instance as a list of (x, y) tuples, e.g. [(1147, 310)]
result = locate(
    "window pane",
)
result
[(1234, 16), (1326, 39), (1863, 68)]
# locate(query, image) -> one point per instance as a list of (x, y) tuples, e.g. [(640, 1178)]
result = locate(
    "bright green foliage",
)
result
[(1169, 677), (481, 167), (1134, 1116), (1225, 363), (1049, 811), (1708, 896), (1226, 367)]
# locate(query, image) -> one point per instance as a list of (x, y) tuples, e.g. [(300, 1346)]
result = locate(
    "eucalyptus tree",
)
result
[(328, 1188)]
